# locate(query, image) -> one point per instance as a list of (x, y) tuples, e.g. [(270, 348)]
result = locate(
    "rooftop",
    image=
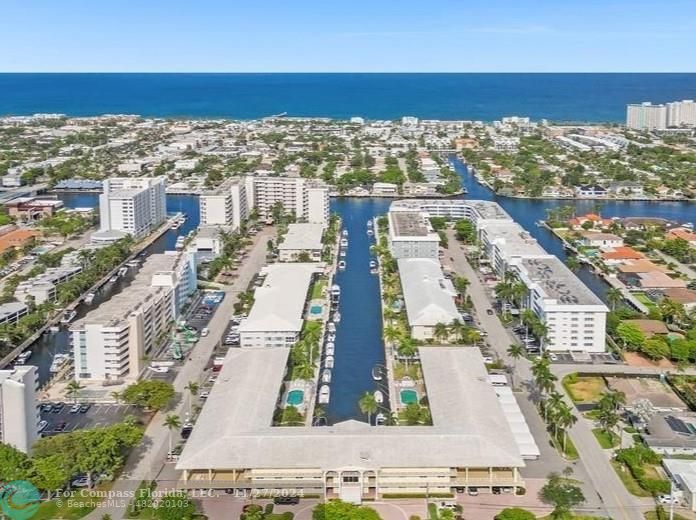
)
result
[(429, 296), (409, 224), (517, 240), (558, 282), (302, 237), (469, 428)]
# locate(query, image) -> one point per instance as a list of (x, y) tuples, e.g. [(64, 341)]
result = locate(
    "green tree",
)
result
[(150, 394), (339, 510), (175, 506), (193, 389), (173, 423), (14, 465), (515, 352), (515, 513), (368, 405), (563, 494), (465, 231), (630, 335), (49, 473), (72, 390), (614, 297)]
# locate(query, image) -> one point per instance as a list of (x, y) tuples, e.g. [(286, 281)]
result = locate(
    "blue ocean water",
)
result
[(558, 97)]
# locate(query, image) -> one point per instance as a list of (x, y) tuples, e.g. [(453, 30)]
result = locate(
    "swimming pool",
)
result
[(295, 397), (409, 396), (316, 310)]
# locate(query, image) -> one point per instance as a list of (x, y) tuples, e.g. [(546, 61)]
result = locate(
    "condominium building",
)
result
[(681, 113), (301, 238), (276, 318), (502, 242), (308, 200), (574, 316), (132, 205), (225, 206), (646, 116), (110, 343), (19, 416), (410, 235), (44, 287)]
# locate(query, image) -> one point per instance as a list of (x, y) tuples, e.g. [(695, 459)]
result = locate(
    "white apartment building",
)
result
[(110, 343), (574, 315), (646, 116), (301, 238), (503, 242), (276, 318), (19, 416), (225, 206), (307, 200), (43, 288), (11, 312), (411, 236), (681, 113), (133, 205)]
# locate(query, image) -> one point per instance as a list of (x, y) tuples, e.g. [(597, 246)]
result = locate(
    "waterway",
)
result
[(359, 336)]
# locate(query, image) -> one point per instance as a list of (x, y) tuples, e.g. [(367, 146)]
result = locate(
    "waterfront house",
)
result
[(591, 191), (618, 255), (687, 297), (594, 239)]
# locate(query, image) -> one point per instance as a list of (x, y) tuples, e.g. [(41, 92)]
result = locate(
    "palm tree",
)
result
[(614, 297), (391, 334), (72, 389), (572, 263), (552, 405), (565, 419), (172, 422), (457, 329), (515, 352), (441, 331), (193, 388), (368, 405), (407, 348)]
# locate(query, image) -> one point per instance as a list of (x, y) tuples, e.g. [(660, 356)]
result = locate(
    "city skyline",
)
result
[(441, 36)]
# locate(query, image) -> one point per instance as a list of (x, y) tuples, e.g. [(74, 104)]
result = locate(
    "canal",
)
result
[(359, 334)]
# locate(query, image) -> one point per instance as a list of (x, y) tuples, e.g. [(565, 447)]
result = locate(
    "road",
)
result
[(146, 461), (618, 502), (681, 267)]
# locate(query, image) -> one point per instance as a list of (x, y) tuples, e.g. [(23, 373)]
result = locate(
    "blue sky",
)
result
[(356, 35)]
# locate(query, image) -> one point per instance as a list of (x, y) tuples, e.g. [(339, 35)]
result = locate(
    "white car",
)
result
[(204, 395), (553, 357), (42, 426), (488, 359), (80, 482), (667, 499), (159, 370)]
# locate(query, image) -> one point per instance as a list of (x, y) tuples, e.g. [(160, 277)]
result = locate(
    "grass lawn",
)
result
[(652, 515), (318, 288), (571, 452), (584, 389), (77, 507), (629, 482), (605, 440), (643, 298)]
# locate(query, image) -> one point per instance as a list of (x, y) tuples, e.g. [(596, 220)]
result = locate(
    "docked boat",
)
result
[(23, 357), (369, 223), (379, 396), (89, 298), (330, 349), (324, 394), (53, 329), (59, 361), (329, 362), (345, 232), (176, 225), (326, 376), (342, 252), (331, 337), (133, 263), (335, 293), (68, 316), (370, 232), (373, 264), (380, 419), (113, 279), (342, 264), (331, 327), (123, 271), (337, 317), (180, 241), (377, 373), (344, 243)]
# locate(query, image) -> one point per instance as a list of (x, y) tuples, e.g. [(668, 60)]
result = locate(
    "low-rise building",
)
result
[(11, 312), (43, 287), (428, 296), (683, 473), (411, 236), (277, 316), (19, 416), (17, 239), (594, 239), (299, 239), (29, 209)]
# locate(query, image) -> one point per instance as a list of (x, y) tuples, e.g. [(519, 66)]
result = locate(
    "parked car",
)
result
[(204, 395), (60, 427), (490, 312), (472, 491), (75, 408), (47, 407), (289, 500), (42, 426), (81, 481), (667, 499), (58, 407), (84, 408), (553, 357)]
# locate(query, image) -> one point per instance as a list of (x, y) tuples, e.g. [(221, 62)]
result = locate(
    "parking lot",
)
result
[(202, 311), (97, 415)]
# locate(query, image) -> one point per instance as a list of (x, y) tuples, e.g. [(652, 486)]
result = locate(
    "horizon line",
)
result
[(342, 72)]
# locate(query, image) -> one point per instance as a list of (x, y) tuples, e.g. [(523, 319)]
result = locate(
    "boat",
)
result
[(342, 252), (68, 316), (344, 243), (379, 396), (369, 223), (329, 362), (380, 419), (337, 317), (331, 337), (133, 263), (330, 349), (370, 232), (342, 264), (331, 327), (335, 293), (54, 329), (345, 232), (179, 243), (122, 271), (373, 264), (326, 376), (23, 357), (324, 394), (176, 225), (59, 360), (377, 373), (113, 279)]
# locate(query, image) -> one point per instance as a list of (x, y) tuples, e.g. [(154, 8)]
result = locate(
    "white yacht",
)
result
[(180, 243), (344, 243), (330, 349), (335, 293), (89, 298), (329, 362), (342, 264), (342, 252), (370, 232), (377, 373), (326, 376), (324, 394), (380, 419), (23, 357), (68, 316), (337, 317), (331, 327), (379, 396), (59, 360), (345, 233)]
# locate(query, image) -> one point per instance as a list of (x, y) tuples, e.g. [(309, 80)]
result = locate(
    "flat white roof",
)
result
[(279, 302), (429, 296), (235, 429), (302, 237), (683, 471), (518, 424), (512, 239)]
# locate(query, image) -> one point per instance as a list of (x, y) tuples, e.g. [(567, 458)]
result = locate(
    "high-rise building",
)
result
[(681, 113), (646, 116), (111, 341), (225, 206), (308, 200), (19, 417), (133, 205)]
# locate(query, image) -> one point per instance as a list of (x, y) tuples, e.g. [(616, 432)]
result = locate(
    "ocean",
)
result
[(486, 97)]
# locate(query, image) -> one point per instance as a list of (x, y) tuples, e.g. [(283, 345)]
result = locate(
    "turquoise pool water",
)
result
[(295, 397), (409, 396), (316, 310)]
